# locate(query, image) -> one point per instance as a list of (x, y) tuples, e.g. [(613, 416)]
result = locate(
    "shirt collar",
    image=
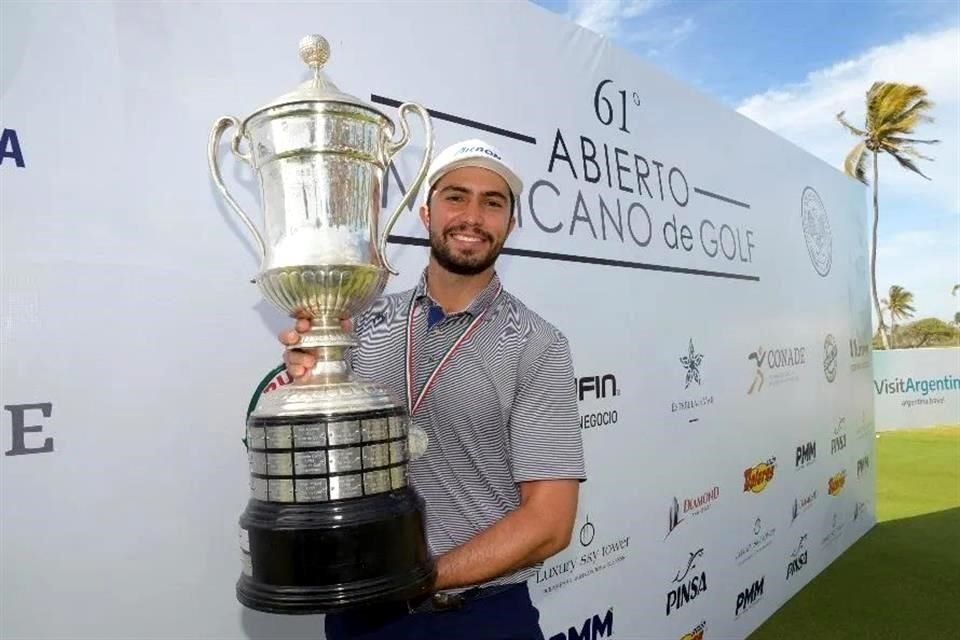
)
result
[(479, 304)]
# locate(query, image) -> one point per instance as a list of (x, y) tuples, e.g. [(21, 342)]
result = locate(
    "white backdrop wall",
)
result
[(715, 284), (916, 387)]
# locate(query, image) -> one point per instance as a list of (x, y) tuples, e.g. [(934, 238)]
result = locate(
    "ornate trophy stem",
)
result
[(329, 342)]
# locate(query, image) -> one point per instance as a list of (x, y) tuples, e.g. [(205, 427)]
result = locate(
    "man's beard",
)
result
[(463, 265)]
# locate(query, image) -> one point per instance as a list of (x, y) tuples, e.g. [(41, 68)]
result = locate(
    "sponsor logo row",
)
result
[(758, 478), (691, 581), (769, 366)]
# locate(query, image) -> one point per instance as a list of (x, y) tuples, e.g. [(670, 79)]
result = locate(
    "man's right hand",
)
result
[(300, 361)]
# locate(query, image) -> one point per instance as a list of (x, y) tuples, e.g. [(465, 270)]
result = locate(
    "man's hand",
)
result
[(538, 529), (300, 361)]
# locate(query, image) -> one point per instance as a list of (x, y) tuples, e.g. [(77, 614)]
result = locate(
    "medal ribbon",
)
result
[(411, 378)]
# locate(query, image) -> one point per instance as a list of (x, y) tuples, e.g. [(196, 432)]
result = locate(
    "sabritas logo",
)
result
[(836, 483), (697, 633), (756, 478)]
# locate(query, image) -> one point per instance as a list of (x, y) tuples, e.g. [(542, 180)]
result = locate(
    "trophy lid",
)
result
[(315, 51)]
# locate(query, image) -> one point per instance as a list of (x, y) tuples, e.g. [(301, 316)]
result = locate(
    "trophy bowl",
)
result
[(332, 522)]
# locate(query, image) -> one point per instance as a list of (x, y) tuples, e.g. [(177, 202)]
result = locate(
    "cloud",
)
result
[(617, 19), (607, 16), (918, 244), (805, 113)]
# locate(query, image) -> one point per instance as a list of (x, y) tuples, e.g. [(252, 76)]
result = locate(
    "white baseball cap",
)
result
[(473, 153)]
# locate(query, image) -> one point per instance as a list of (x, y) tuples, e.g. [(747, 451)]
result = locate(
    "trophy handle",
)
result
[(391, 150), (219, 128)]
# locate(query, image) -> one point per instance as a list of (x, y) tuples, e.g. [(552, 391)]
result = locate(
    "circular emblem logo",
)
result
[(587, 532), (418, 441), (830, 358), (816, 229)]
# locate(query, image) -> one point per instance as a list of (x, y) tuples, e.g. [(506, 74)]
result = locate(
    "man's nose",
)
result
[(473, 211)]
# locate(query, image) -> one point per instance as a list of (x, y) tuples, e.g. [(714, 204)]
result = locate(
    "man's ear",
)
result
[(425, 216)]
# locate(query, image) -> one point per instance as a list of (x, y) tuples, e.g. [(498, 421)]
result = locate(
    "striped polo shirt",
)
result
[(502, 410)]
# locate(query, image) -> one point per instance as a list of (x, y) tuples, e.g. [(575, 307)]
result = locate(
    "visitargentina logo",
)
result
[(922, 386)]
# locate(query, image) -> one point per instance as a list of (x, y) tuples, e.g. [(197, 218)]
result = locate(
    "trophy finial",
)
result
[(315, 51)]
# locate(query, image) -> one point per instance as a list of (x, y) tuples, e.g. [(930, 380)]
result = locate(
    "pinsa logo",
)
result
[(836, 483), (757, 477), (697, 633)]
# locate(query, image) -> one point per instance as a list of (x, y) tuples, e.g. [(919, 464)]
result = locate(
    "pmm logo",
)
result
[(597, 386), (747, 597), (806, 453), (592, 629), (863, 464)]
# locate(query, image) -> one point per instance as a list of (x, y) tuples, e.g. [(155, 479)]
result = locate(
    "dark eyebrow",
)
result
[(460, 189)]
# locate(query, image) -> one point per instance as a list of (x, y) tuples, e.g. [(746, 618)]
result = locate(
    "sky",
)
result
[(791, 66)]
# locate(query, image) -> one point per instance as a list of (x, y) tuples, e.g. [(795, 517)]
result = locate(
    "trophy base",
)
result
[(331, 557), (332, 523)]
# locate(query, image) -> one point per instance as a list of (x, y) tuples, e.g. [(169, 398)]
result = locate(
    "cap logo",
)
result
[(483, 150)]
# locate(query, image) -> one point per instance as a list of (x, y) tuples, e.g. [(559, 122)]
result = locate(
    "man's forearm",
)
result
[(516, 541)]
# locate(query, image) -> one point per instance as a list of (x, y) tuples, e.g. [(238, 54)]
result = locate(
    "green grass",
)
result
[(902, 579)]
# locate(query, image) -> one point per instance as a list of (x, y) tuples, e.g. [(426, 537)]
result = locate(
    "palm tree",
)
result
[(899, 303), (893, 110)]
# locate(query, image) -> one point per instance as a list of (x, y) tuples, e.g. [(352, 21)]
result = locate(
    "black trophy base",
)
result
[(330, 557)]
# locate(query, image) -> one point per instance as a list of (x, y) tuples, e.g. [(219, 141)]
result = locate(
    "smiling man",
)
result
[(492, 400)]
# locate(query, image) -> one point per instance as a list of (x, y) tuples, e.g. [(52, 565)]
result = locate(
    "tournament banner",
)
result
[(710, 276)]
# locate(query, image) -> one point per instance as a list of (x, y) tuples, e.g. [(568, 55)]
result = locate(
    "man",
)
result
[(493, 392)]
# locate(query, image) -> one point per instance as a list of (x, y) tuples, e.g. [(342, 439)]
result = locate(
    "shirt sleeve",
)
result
[(545, 438)]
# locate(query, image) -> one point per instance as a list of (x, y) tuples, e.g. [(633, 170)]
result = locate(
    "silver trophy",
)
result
[(332, 522)]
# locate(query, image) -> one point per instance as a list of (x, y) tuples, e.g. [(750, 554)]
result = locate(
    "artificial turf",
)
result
[(902, 579)]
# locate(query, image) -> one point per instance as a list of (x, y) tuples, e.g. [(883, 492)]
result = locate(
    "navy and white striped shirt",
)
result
[(503, 410)]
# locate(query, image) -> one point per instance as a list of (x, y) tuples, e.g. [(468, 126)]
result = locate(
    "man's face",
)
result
[(468, 219)]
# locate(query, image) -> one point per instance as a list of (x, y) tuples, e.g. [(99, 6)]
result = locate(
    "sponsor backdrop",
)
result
[(711, 277), (916, 387)]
